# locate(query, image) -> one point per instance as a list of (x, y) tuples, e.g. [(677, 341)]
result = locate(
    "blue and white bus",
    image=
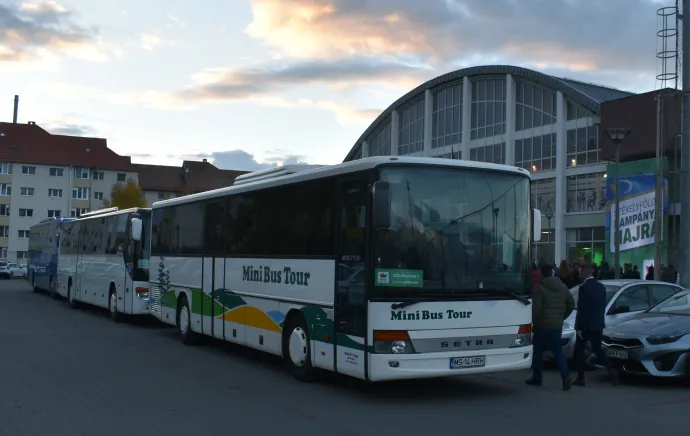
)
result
[(44, 244)]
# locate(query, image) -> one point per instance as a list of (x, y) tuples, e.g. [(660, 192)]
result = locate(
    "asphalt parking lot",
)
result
[(73, 373)]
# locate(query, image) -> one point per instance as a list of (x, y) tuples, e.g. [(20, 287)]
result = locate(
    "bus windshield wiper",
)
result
[(521, 298), (407, 303)]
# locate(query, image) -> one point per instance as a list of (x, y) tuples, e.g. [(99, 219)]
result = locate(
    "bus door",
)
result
[(125, 300), (350, 309)]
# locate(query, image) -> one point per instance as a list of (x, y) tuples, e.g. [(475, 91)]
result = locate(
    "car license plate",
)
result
[(617, 354), (467, 362)]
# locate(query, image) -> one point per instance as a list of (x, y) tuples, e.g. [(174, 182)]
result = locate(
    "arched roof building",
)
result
[(514, 116)]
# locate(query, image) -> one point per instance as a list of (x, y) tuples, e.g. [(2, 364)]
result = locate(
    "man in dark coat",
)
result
[(552, 303), (590, 323)]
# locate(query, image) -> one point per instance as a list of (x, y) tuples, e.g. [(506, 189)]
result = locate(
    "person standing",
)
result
[(552, 303), (590, 323)]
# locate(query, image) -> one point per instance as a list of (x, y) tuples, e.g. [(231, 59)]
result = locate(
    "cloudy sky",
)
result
[(250, 83)]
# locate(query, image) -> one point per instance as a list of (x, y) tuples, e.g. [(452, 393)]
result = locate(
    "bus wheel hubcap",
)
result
[(298, 347), (184, 320)]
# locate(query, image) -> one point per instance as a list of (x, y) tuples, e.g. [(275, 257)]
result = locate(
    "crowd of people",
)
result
[(569, 274)]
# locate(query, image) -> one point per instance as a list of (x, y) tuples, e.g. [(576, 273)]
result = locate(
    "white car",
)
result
[(624, 298), (10, 270), (5, 270)]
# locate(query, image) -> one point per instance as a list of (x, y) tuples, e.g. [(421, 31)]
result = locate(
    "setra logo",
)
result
[(383, 277)]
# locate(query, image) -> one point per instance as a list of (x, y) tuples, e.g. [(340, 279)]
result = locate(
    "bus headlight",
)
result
[(524, 336), (392, 342)]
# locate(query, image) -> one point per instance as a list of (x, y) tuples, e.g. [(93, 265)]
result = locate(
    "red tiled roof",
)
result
[(29, 143), (191, 177)]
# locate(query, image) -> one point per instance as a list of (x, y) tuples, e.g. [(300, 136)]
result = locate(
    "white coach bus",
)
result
[(382, 268), (104, 260)]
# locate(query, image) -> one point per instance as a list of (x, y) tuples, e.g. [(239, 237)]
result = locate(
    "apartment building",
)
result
[(44, 175)]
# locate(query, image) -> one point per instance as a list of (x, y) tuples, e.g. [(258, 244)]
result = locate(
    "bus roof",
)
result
[(46, 221), (117, 212), (317, 172)]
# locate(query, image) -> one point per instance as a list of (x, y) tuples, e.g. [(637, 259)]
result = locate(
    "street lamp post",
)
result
[(617, 135), (548, 213)]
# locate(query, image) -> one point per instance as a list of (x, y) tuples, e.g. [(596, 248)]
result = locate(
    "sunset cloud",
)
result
[(37, 32)]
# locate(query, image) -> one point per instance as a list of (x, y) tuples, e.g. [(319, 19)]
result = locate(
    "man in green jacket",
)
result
[(552, 303)]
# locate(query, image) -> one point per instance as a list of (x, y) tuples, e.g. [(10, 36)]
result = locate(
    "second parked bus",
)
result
[(104, 260), (44, 244)]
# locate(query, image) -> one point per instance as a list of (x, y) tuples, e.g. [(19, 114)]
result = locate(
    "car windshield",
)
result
[(454, 231), (678, 304), (610, 292)]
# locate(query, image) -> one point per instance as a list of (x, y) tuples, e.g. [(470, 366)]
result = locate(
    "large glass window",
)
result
[(447, 116), (380, 142), (411, 133), (536, 154), (586, 193), (582, 146), (545, 250), (535, 106), (495, 153), (488, 108), (544, 195), (575, 111), (458, 230), (586, 244)]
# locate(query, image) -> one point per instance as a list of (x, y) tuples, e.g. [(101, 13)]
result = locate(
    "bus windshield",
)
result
[(454, 231)]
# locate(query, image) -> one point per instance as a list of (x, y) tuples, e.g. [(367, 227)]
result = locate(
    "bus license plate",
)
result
[(617, 354), (467, 362)]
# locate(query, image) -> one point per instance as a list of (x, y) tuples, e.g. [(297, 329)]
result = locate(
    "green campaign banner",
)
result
[(637, 213)]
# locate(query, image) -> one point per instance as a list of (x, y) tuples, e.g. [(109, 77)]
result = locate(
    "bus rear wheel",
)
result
[(297, 350)]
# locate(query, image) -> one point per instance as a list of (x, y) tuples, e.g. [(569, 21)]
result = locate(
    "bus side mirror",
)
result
[(382, 205), (536, 222), (136, 229)]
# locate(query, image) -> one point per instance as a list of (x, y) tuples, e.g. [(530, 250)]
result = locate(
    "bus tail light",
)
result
[(524, 336), (142, 292), (392, 342)]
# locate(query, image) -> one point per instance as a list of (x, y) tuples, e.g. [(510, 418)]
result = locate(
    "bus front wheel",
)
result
[(297, 350)]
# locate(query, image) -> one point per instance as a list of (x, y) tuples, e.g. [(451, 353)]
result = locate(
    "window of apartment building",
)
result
[(54, 193), (77, 212), (488, 108), (586, 193), (4, 232), (28, 170), (586, 243), (22, 255), (56, 172), (582, 145), (53, 213), (23, 233), (26, 192), (5, 189), (80, 173), (161, 195), (80, 193), (411, 133), (97, 175), (3, 253), (446, 123), (4, 210), (26, 212), (495, 153), (536, 154), (121, 177), (5, 168), (98, 196)]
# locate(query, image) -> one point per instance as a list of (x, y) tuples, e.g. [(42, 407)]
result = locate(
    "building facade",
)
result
[(44, 175), (513, 116)]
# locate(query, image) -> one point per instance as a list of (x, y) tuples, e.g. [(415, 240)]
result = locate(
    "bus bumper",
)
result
[(429, 365)]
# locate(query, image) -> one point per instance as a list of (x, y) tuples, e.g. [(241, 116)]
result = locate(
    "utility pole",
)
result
[(685, 156), (659, 189)]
